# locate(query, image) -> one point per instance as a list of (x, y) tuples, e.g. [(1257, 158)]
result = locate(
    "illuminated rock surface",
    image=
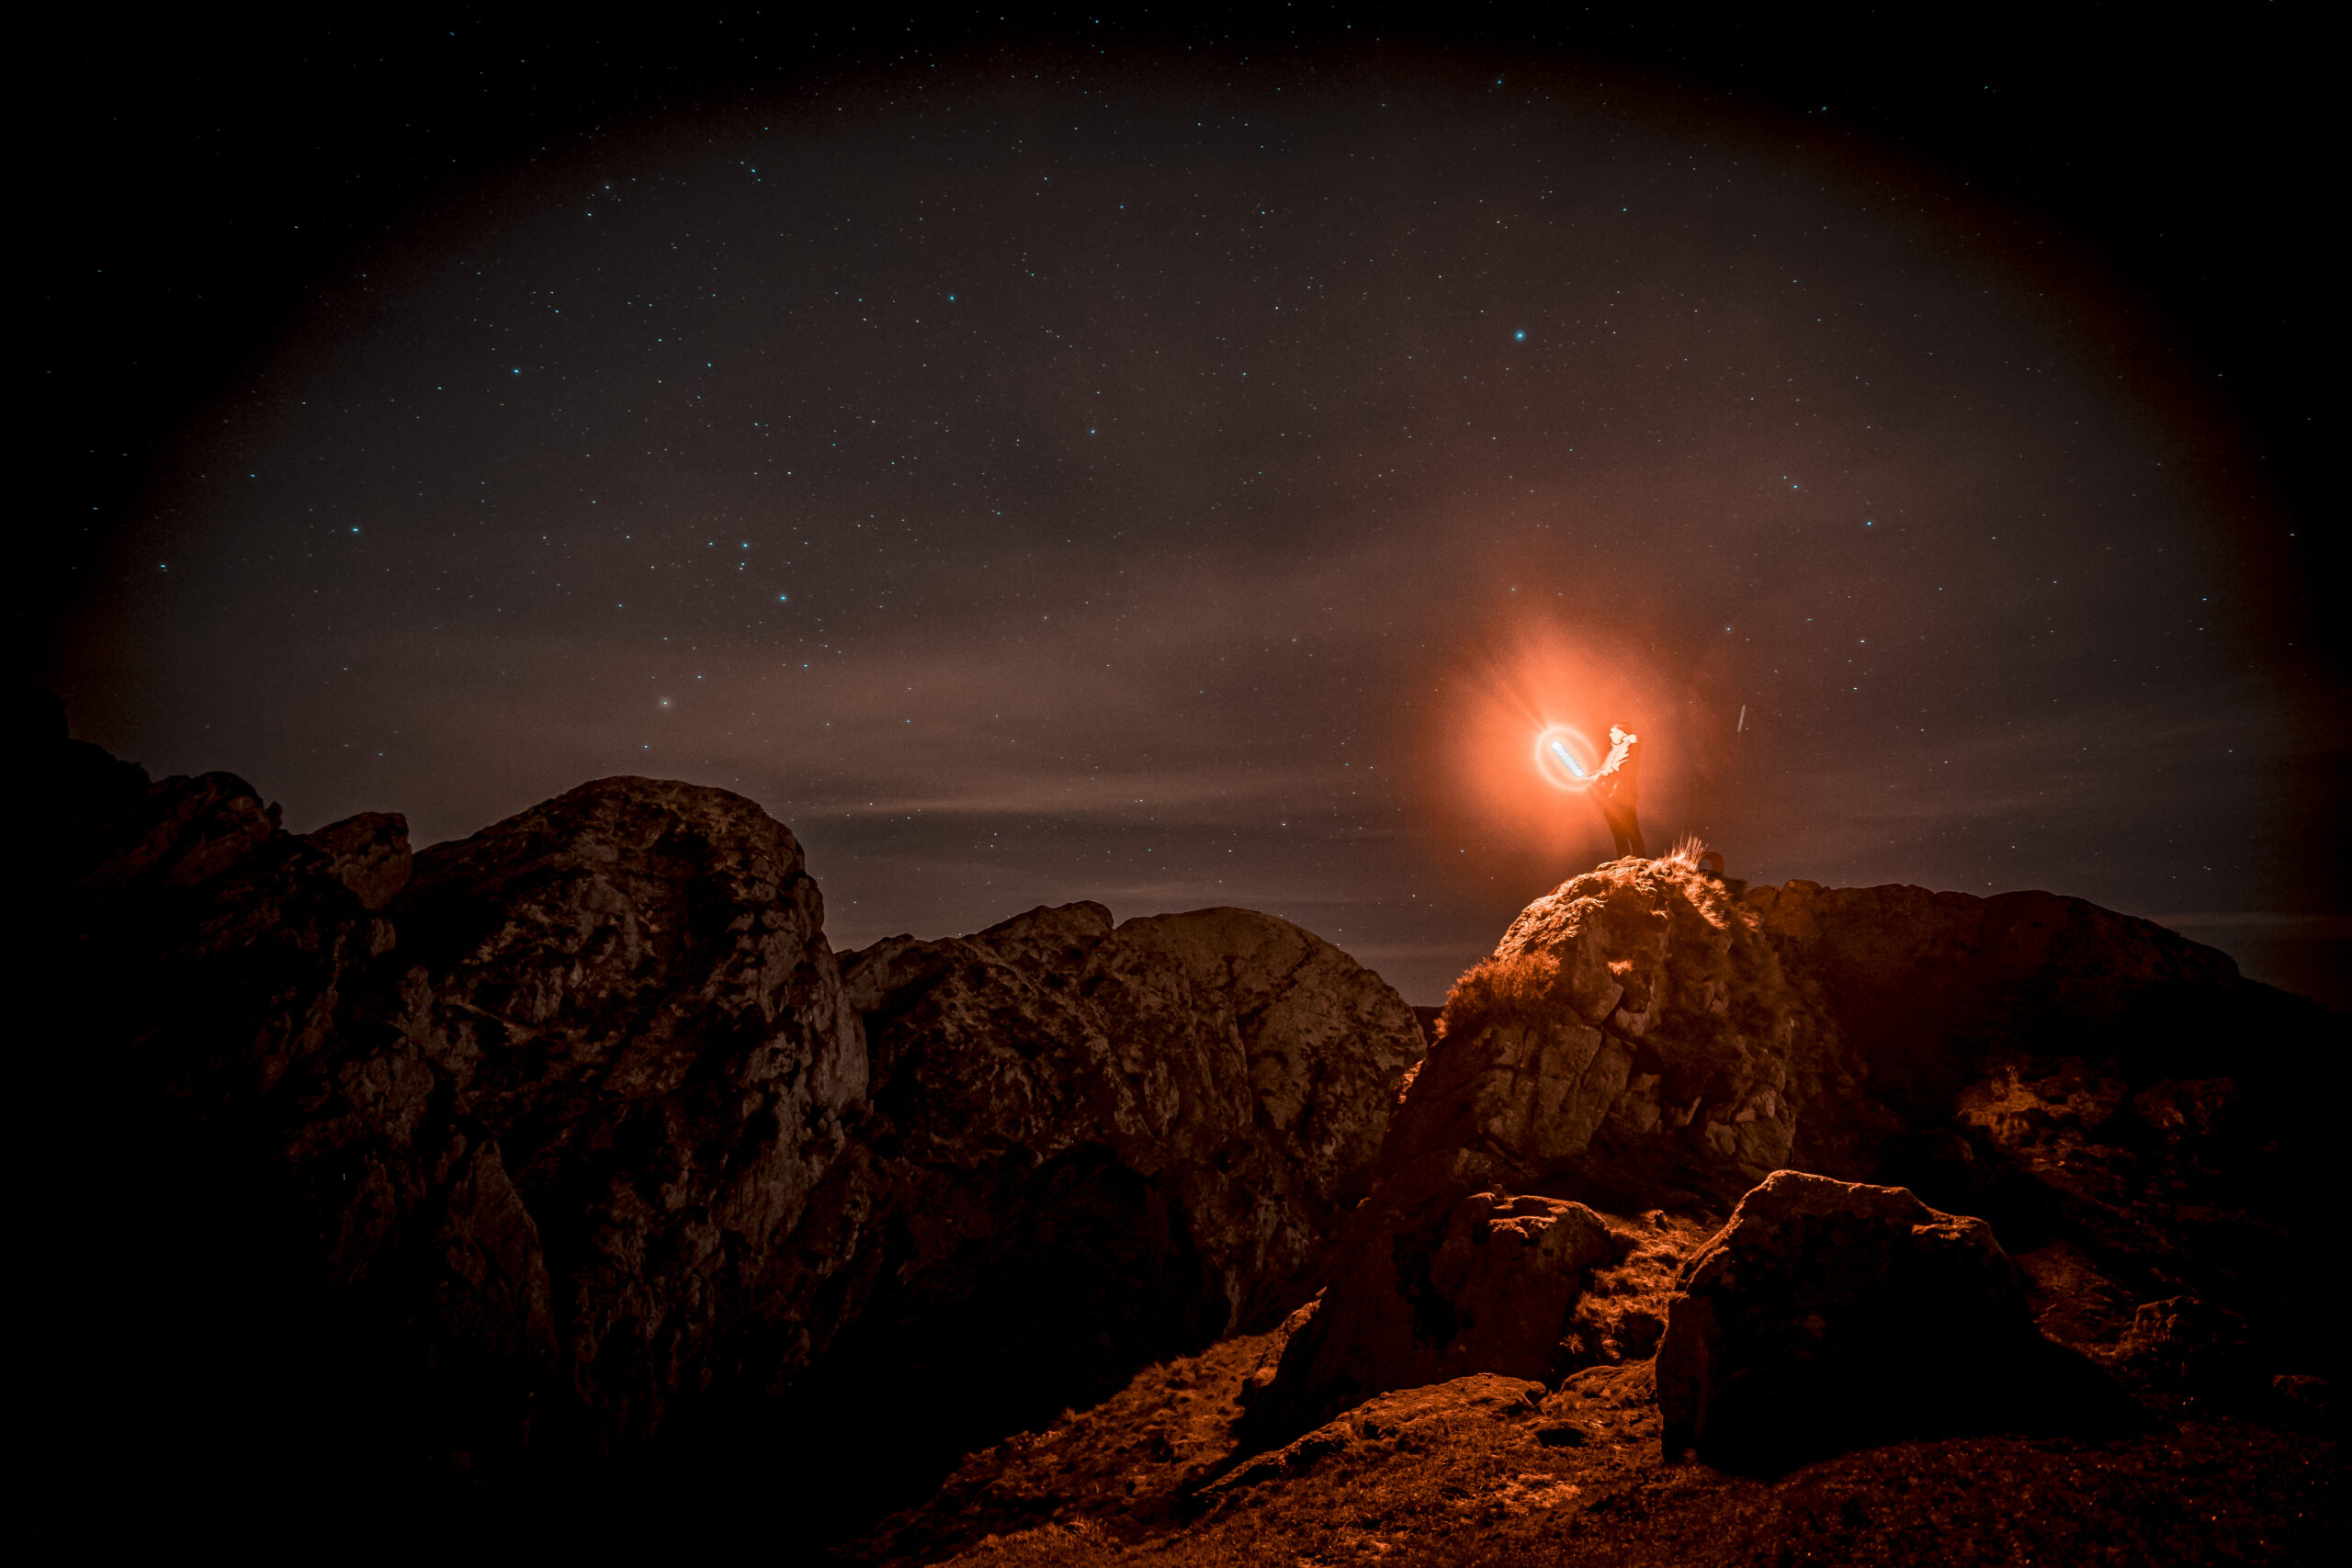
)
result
[(1640, 1038)]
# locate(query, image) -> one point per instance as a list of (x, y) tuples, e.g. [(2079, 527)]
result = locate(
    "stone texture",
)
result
[(1640, 1037), (1634, 1034), (1243, 1066), (2182, 1343), (1410, 1414), (1827, 1313), (1089, 1147), (619, 1007), (368, 853), (1419, 1295), (559, 1153)]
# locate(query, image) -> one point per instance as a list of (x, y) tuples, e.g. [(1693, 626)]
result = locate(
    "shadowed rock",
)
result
[(368, 853), (1419, 1295), (1826, 1313), (1243, 1066), (558, 1149)]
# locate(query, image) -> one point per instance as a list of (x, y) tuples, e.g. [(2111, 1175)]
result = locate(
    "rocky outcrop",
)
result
[(2086, 1082), (1239, 1063), (608, 1064), (1635, 1036), (522, 1150), (1088, 1146), (1828, 1314), (1643, 1036), (1633, 1039), (566, 1147)]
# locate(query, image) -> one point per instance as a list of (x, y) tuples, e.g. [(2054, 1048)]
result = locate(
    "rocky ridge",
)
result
[(566, 1146), (559, 1170)]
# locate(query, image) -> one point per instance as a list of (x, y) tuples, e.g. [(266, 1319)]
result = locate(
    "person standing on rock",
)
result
[(1615, 785)]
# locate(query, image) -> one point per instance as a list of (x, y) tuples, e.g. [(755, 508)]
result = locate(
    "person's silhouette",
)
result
[(1616, 785)]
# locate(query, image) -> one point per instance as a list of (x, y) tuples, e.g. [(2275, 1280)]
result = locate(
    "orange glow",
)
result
[(1502, 805), (1565, 758)]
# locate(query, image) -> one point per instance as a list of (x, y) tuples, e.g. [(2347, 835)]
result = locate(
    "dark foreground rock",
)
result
[(1828, 1316), (556, 1173)]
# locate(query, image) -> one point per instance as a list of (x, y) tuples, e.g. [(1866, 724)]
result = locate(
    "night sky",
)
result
[(1180, 467)]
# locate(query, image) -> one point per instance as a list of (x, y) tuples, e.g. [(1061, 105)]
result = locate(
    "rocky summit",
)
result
[(1649, 1036), (564, 1181)]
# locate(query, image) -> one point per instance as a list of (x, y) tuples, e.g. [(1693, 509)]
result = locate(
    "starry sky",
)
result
[(1180, 465)]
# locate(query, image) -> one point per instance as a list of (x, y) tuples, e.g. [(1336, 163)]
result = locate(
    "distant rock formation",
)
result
[(566, 1145)]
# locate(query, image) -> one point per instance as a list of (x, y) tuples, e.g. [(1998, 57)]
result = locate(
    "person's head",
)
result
[(1617, 733)]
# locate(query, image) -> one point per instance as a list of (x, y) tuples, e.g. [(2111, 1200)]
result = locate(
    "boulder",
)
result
[(1633, 1037), (1829, 1314), (2183, 1344), (625, 994), (1422, 1291)]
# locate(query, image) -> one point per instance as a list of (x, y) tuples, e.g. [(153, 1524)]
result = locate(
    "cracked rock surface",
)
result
[(562, 1164)]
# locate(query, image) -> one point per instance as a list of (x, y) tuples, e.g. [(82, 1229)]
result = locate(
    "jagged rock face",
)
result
[(563, 1138), (213, 947), (535, 1135), (1634, 1029), (616, 1042), (1242, 1066), (1092, 1146), (1828, 1313)]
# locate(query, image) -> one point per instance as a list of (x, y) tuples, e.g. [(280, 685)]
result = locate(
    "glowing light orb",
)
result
[(1565, 758)]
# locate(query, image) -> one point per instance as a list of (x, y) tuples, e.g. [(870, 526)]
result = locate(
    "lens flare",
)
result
[(1517, 710), (1564, 757)]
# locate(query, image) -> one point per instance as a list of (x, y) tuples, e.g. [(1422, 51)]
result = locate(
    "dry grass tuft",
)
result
[(1686, 852), (1497, 988)]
